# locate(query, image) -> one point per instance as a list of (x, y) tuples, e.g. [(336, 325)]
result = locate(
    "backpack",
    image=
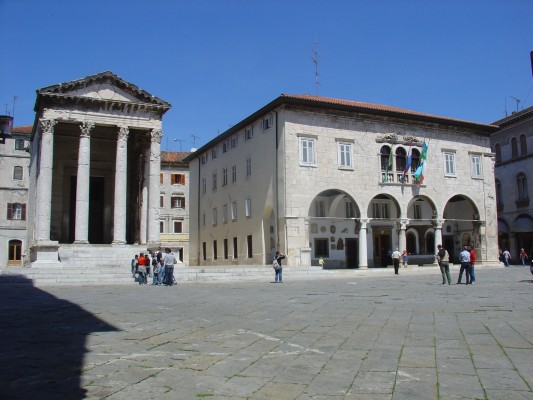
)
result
[(275, 264)]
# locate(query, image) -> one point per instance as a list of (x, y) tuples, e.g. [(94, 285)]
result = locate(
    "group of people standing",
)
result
[(160, 267)]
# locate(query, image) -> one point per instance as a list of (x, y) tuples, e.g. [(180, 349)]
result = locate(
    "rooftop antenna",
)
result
[(14, 101), (194, 137), (517, 101), (179, 140), (315, 58)]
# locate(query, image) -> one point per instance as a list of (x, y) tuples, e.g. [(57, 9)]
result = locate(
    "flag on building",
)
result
[(408, 164), (419, 173)]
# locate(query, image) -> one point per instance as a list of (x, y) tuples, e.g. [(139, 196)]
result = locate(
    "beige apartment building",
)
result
[(14, 164), (513, 147), (342, 181)]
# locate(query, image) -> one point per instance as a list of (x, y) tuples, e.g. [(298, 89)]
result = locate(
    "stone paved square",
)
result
[(362, 335)]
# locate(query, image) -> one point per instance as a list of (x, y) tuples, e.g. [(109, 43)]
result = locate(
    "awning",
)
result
[(503, 228), (523, 224)]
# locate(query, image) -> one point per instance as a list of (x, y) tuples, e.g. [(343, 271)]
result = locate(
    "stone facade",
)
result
[(14, 164), (513, 146), (315, 178)]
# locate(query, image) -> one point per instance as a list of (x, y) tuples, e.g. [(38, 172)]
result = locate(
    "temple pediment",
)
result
[(103, 89)]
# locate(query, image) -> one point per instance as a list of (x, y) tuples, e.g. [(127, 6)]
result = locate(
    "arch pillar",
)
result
[(363, 255)]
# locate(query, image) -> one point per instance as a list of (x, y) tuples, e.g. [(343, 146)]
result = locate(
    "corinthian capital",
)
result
[(123, 132), (47, 125), (157, 134), (86, 127)]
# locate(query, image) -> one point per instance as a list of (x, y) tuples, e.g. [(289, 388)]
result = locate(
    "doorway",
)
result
[(15, 252), (382, 248), (352, 253)]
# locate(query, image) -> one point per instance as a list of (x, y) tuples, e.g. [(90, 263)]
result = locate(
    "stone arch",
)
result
[(412, 241), (463, 217)]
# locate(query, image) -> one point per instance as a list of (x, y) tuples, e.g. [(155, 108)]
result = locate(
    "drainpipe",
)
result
[(198, 243), (277, 184)]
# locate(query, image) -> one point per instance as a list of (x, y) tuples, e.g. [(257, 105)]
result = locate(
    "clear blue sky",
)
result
[(218, 61)]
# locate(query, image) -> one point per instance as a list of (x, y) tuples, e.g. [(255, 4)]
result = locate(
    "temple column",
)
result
[(43, 207), (363, 256), (153, 188), (121, 179), (144, 197), (81, 228)]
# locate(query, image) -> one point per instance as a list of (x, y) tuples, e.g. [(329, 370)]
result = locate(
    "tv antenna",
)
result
[(517, 101), (314, 58), (194, 137), (179, 140), (14, 101)]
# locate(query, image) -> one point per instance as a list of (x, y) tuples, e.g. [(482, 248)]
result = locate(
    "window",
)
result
[(307, 151), (204, 185), (215, 254), (401, 159), (161, 178), (233, 173), (248, 133), (235, 254), (321, 248), (178, 227), (224, 213), (320, 210), (248, 207), (19, 144), (267, 122), (213, 153), (523, 145), (214, 216), (350, 210), (234, 210), (449, 164), (514, 148), (417, 211), (415, 160), (214, 182), (225, 146), (161, 227), (224, 177), (249, 243), (248, 167), (16, 211), (476, 165), (380, 209), (203, 219), (499, 199), (385, 153), (177, 179), (345, 155), (234, 141), (498, 151), (177, 202), (204, 250), (521, 181), (17, 173), (161, 200), (225, 249), (203, 159)]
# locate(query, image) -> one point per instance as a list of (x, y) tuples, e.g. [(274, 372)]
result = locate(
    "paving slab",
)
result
[(369, 335)]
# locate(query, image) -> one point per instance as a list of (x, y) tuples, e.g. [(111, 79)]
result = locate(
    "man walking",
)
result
[(444, 263), (169, 260), (506, 257), (472, 262), (396, 260)]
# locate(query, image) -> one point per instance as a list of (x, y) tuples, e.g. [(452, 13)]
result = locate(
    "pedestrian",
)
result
[(155, 271), (523, 257), (506, 257), (134, 264), (141, 269), (396, 260), (405, 258), (147, 264), (278, 277), (170, 260), (472, 263), (443, 258), (464, 258)]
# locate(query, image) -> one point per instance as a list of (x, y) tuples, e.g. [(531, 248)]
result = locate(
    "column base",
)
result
[(119, 242), (81, 242), (362, 267), (45, 252)]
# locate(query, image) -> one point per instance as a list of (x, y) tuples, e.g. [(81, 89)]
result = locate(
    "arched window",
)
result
[(385, 154), (415, 159), (400, 158), (523, 145), (514, 148), (521, 182), (498, 151), (410, 240)]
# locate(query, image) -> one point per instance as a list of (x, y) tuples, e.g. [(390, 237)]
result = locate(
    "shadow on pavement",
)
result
[(42, 343)]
